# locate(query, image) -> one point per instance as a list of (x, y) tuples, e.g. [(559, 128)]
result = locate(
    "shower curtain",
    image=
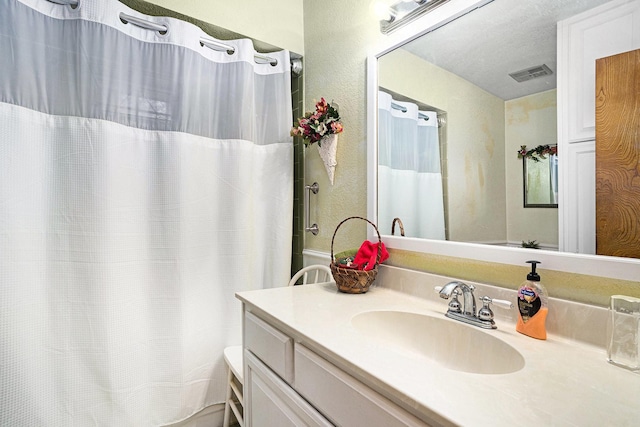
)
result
[(409, 173), (144, 179)]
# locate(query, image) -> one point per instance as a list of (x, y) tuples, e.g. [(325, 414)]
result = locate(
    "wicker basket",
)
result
[(353, 281)]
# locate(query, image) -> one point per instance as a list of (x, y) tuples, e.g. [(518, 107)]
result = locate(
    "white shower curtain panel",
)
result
[(409, 173), (144, 179)]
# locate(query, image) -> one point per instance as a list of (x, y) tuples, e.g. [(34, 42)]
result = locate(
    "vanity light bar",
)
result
[(403, 12)]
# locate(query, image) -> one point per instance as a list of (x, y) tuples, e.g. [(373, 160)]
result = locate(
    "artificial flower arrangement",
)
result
[(540, 152), (314, 126)]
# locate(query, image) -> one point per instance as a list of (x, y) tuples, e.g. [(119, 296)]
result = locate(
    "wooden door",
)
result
[(618, 155)]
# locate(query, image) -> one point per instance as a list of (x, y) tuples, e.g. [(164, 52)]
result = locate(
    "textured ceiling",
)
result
[(502, 37)]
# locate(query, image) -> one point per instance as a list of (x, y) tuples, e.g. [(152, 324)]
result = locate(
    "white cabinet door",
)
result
[(578, 234), (270, 345), (604, 31), (346, 401), (270, 402)]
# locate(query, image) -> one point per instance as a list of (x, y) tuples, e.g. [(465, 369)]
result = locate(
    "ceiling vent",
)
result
[(531, 73)]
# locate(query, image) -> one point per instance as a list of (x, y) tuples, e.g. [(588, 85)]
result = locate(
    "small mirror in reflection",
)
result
[(540, 176)]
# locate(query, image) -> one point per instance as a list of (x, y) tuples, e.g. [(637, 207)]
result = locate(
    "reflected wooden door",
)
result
[(618, 155)]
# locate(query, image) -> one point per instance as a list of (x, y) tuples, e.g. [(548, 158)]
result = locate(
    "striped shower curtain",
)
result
[(144, 179)]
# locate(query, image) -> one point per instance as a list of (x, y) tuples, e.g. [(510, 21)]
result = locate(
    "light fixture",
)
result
[(401, 13), (383, 12)]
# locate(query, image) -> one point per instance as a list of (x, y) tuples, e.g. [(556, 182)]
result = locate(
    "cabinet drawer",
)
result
[(343, 399), (271, 402), (270, 345)]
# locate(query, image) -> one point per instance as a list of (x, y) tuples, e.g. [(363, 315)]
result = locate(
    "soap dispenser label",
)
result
[(528, 302)]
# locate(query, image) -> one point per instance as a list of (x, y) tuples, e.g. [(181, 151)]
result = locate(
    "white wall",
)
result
[(276, 22), (482, 150), (338, 37), (530, 121), (475, 159)]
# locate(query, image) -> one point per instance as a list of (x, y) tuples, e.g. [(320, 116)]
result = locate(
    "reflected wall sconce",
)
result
[(402, 12)]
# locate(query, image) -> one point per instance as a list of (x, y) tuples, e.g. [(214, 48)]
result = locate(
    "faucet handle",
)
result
[(502, 303), (485, 312)]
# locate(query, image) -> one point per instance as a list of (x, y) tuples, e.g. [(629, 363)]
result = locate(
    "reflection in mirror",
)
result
[(493, 72), (458, 62), (540, 176), (409, 172)]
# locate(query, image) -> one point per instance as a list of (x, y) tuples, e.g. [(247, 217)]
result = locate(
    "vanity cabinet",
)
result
[(271, 402), (288, 384), (345, 400), (600, 32), (269, 399)]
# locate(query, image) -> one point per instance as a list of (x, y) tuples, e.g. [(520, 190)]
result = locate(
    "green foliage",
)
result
[(535, 154), (532, 244)]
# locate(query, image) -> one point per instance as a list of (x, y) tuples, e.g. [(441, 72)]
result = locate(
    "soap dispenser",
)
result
[(532, 306)]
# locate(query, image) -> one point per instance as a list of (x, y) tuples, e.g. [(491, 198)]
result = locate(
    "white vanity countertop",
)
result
[(563, 382)]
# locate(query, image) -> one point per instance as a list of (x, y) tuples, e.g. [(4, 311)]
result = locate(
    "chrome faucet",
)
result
[(467, 313), (469, 300)]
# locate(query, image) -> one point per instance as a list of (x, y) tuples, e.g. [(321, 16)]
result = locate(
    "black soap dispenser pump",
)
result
[(532, 306)]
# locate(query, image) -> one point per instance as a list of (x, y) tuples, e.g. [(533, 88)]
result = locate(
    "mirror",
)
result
[(456, 65), (461, 71), (540, 176)]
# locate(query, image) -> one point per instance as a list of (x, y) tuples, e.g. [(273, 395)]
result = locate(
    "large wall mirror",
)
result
[(471, 83)]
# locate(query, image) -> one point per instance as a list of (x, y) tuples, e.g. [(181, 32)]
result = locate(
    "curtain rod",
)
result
[(211, 44), (404, 110), (204, 41)]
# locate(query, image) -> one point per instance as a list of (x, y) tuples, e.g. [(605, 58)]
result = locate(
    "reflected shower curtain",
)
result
[(144, 179), (409, 174)]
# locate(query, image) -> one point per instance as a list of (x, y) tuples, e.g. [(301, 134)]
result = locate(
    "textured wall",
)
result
[(474, 144), (491, 207), (530, 121), (276, 22), (338, 36)]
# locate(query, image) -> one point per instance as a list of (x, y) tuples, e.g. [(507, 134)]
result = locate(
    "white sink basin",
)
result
[(450, 343)]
